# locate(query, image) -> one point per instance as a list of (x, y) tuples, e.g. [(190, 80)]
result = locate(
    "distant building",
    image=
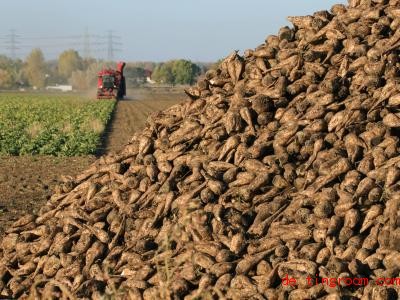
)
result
[(59, 87)]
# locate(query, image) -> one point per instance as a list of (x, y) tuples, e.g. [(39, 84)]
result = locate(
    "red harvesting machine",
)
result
[(111, 83)]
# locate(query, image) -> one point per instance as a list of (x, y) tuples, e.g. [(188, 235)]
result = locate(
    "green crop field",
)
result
[(62, 125)]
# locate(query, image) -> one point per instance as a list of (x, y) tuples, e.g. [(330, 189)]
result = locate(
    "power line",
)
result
[(111, 41), (64, 45), (87, 44), (12, 42), (66, 37)]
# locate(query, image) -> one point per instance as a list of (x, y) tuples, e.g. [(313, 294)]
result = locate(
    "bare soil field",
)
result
[(26, 182)]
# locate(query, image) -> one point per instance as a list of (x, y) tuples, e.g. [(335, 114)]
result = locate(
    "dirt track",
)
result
[(131, 115), (27, 182)]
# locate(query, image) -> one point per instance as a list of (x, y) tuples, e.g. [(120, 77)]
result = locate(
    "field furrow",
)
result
[(130, 116)]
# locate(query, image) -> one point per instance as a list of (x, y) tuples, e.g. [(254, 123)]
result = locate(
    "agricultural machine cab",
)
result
[(108, 82), (111, 83)]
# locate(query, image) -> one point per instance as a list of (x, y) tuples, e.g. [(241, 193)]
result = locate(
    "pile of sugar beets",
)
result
[(283, 162)]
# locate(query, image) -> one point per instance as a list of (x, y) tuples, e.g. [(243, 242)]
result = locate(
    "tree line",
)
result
[(71, 68)]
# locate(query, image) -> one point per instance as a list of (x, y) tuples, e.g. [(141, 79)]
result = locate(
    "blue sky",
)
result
[(149, 30)]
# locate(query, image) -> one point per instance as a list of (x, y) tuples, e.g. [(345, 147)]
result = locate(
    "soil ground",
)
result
[(26, 182), (131, 114)]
